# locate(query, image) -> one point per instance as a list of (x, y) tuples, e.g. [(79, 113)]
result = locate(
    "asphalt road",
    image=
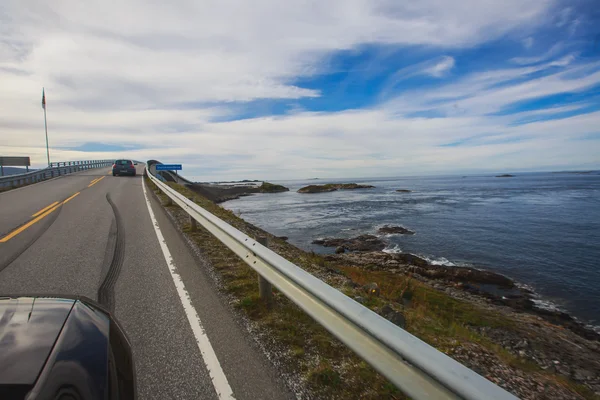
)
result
[(102, 243)]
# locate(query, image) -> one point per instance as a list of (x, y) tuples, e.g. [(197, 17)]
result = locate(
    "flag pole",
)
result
[(45, 124)]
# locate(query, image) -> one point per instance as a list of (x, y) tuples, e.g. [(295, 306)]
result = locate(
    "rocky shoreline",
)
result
[(552, 340), (366, 250), (222, 193)]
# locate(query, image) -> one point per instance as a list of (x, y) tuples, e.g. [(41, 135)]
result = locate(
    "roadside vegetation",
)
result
[(325, 366)]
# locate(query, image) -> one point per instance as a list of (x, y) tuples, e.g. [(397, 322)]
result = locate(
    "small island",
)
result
[(332, 187), (505, 176), (404, 191), (267, 187)]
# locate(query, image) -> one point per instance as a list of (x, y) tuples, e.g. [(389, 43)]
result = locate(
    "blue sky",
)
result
[(331, 89)]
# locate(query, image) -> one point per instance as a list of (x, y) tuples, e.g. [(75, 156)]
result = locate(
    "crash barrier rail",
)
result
[(419, 370), (55, 169)]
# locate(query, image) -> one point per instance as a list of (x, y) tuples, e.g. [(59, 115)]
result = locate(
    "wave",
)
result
[(550, 306), (439, 261), (546, 305), (393, 250), (391, 235)]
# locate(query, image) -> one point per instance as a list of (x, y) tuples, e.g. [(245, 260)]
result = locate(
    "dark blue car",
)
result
[(123, 167), (62, 349)]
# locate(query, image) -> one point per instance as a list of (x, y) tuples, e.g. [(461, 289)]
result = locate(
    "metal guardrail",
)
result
[(419, 370), (53, 170)]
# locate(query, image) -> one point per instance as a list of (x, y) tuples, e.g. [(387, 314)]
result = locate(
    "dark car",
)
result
[(62, 349), (123, 167)]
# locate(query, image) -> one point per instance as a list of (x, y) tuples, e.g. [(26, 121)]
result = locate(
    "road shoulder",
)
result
[(250, 373)]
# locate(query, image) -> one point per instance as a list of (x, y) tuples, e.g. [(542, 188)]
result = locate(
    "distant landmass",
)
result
[(332, 187), (577, 172), (242, 181)]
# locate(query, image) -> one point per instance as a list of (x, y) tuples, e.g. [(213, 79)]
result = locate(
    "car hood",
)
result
[(29, 327)]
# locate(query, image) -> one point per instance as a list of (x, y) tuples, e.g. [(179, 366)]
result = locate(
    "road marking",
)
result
[(45, 209), (27, 225), (217, 376), (95, 181), (65, 202), (45, 212)]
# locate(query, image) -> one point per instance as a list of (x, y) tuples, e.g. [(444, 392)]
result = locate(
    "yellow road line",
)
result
[(33, 221), (64, 202), (27, 225), (45, 209), (96, 181)]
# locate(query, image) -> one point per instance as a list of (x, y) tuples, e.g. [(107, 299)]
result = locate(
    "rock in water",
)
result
[(340, 250), (404, 191), (395, 229), (359, 243), (267, 187), (505, 176), (331, 187)]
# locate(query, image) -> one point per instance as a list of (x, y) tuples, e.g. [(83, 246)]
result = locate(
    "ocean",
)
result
[(540, 229)]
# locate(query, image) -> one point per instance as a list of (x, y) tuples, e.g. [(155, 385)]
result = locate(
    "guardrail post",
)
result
[(265, 289), (193, 223)]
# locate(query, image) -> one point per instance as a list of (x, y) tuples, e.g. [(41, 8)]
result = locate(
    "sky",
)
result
[(270, 89)]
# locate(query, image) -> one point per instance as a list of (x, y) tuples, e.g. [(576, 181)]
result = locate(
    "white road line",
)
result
[(219, 380)]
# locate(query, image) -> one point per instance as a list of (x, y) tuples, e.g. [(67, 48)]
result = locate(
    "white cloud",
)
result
[(142, 54), (528, 42), (563, 16), (551, 52), (156, 75), (441, 68)]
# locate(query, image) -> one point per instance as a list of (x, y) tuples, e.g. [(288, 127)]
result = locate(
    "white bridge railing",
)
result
[(419, 370), (54, 170)]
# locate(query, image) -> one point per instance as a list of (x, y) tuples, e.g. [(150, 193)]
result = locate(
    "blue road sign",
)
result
[(168, 167)]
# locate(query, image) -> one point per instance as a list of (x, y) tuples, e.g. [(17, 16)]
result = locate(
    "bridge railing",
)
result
[(55, 169), (416, 368)]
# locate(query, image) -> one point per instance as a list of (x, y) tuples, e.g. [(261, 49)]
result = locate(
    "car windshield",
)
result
[(123, 162)]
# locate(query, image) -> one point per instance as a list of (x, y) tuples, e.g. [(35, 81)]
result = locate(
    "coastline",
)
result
[(482, 284), (540, 305), (543, 303), (523, 352), (528, 300)]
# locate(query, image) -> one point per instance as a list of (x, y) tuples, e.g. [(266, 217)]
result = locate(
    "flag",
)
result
[(43, 99)]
